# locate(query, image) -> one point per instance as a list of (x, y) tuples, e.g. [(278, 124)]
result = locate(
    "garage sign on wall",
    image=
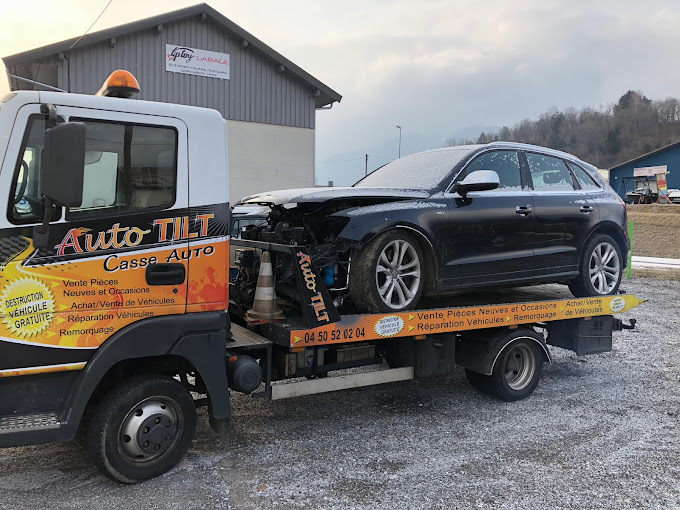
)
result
[(181, 59)]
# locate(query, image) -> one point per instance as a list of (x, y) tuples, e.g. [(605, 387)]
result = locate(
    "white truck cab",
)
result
[(112, 252)]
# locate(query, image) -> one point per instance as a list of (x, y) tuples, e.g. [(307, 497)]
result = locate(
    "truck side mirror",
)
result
[(63, 168), (62, 173)]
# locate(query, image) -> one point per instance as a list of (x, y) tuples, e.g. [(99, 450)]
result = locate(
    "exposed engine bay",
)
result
[(313, 227)]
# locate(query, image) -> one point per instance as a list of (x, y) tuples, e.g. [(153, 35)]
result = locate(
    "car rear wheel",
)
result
[(388, 274), (601, 268)]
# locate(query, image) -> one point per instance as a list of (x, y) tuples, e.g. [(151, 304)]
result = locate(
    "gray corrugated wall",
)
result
[(255, 92)]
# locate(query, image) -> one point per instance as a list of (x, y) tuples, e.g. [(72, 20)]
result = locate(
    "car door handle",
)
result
[(523, 209), (165, 274), (586, 209)]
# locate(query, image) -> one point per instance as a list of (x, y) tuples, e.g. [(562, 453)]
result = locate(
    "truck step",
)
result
[(296, 389), (18, 422), (243, 338)]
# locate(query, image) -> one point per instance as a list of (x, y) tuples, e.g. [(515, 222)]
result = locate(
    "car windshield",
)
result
[(424, 170)]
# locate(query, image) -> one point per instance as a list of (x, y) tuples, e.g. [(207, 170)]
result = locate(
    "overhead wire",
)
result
[(35, 77)]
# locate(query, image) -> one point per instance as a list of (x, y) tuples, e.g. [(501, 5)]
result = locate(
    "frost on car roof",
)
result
[(425, 170)]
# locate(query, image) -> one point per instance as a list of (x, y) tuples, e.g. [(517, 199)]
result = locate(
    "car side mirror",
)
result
[(62, 173), (479, 180)]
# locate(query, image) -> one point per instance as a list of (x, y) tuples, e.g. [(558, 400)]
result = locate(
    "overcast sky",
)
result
[(438, 68)]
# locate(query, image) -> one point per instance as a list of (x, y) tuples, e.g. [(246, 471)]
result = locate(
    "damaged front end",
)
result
[(329, 224), (313, 227)]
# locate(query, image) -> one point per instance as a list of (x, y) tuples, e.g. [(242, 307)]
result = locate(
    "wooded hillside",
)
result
[(603, 137)]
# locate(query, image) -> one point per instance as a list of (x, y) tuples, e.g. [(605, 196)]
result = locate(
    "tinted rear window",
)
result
[(583, 177)]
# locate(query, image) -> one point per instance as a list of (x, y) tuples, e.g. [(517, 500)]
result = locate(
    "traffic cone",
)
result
[(264, 307)]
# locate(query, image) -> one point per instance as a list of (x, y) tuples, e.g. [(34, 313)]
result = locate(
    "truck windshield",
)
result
[(424, 170)]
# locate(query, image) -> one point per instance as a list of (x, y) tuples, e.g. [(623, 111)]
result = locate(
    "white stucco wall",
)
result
[(265, 157)]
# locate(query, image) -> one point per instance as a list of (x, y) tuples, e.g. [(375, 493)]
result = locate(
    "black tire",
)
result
[(606, 284), (364, 277), (478, 381), (130, 447), (516, 371)]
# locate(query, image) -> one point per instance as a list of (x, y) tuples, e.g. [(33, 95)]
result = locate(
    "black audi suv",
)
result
[(453, 219)]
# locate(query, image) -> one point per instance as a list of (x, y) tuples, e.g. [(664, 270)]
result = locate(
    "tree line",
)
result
[(602, 136)]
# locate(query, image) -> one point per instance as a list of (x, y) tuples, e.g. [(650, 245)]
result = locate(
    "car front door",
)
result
[(489, 238), (565, 214)]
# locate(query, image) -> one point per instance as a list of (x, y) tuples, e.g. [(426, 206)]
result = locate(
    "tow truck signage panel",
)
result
[(358, 328), (58, 305)]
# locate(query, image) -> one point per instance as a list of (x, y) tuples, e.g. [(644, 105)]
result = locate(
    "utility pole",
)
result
[(399, 128), (366, 169)]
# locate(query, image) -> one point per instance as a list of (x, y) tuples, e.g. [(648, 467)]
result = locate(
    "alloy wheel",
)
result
[(397, 274), (604, 268)]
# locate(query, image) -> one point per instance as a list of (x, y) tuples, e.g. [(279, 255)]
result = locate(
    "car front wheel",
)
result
[(388, 274), (601, 268)]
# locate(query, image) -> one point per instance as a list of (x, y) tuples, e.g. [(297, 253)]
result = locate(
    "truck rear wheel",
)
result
[(516, 371), (142, 428)]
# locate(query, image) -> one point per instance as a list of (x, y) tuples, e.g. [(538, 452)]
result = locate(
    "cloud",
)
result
[(439, 68)]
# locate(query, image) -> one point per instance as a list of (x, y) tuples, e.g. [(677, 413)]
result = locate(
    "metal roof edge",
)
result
[(179, 14), (633, 160)]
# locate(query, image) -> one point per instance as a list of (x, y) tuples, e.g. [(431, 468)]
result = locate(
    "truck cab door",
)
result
[(118, 258)]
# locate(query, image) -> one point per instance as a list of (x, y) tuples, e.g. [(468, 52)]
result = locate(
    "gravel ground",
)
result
[(599, 432)]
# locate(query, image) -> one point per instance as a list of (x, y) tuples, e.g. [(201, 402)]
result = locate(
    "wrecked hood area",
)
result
[(321, 195), (308, 216)]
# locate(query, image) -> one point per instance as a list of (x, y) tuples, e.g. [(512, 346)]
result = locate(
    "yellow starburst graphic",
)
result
[(27, 306)]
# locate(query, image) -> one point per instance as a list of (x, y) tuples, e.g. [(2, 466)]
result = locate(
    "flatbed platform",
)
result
[(471, 311)]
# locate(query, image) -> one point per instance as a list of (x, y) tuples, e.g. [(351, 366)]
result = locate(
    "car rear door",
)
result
[(490, 233), (565, 214)]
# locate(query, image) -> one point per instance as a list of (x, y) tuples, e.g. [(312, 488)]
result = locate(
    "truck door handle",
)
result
[(586, 209), (523, 209), (165, 274)]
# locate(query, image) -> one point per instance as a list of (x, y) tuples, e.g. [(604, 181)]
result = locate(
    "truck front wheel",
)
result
[(142, 428)]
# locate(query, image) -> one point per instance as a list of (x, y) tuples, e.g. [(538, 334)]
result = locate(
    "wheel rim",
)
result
[(520, 366), (397, 274), (604, 268), (150, 430)]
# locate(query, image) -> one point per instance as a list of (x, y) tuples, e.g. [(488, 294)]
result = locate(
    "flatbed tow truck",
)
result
[(120, 316)]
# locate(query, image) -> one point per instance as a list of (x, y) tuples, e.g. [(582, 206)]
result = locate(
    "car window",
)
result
[(583, 178), (504, 163), (549, 173), (239, 224)]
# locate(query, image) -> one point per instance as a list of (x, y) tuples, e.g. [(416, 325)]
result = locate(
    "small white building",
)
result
[(196, 56)]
